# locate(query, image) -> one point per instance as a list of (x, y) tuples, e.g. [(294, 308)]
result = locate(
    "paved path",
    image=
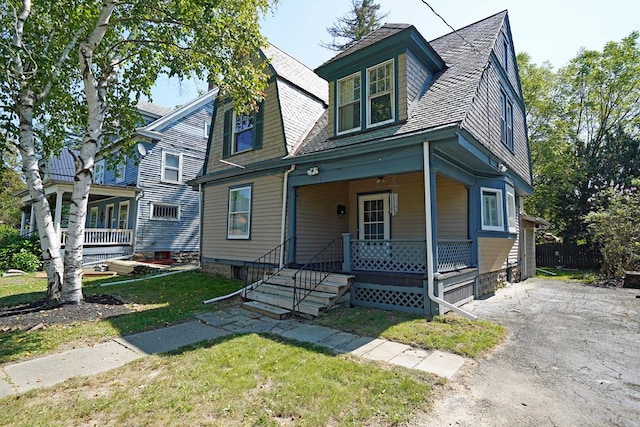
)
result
[(53, 369)]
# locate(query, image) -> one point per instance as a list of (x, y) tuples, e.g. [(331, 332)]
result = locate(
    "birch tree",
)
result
[(111, 54)]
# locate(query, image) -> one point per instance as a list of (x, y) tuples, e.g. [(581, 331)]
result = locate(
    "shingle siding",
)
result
[(299, 112), (417, 75)]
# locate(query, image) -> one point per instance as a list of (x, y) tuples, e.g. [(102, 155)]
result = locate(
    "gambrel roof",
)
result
[(445, 102)]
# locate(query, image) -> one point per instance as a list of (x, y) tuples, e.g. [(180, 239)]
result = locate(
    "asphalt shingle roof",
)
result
[(447, 99)]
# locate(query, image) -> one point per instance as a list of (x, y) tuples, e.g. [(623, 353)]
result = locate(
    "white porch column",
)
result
[(58, 214), (32, 219), (23, 222)]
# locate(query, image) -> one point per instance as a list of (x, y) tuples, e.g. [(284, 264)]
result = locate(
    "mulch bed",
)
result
[(36, 315)]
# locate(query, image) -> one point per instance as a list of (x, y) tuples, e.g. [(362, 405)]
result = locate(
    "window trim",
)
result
[(246, 236), (120, 177), (164, 167), (338, 105), (92, 210), (120, 205), (164, 218), (506, 120), (505, 53), (392, 94), (98, 171), (498, 193), (233, 133), (511, 211)]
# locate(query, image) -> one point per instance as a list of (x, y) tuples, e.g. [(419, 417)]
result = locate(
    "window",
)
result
[(349, 103), (164, 211), (506, 120), (505, 53), (380, 96), (492, 209), (93, 217), (171, 168), (98, 172), (121, 169), (239, 220), (242, 133), (123, 215), (512, 221)]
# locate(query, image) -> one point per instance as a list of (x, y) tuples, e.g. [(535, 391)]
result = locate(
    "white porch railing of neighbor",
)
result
[(103, 236)]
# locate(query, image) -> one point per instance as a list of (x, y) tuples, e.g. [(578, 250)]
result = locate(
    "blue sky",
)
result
[(549, 30)]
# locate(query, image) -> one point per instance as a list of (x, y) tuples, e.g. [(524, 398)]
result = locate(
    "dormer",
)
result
[(375, 82)]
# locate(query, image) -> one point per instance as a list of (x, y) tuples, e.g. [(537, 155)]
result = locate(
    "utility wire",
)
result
[(447, 24)]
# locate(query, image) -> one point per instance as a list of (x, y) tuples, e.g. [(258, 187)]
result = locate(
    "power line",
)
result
[(447, 24)]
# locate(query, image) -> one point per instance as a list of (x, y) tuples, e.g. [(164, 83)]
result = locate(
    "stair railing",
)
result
[(265, 267), (308, 277)]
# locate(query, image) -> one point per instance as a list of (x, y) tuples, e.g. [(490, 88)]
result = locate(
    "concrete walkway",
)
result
[(56, 368)]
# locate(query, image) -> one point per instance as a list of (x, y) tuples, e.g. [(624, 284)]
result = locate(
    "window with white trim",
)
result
[(121, 169), (98, 172), (380, 94), (239, 220), (512, 221), (506, 120), (349, 103), (491, 211), (93, 217), (171, 168), (242, 133), (164, 211)]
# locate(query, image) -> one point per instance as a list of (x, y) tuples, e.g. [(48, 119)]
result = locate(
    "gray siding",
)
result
[(417, 75), (299, 113), (184, 136)]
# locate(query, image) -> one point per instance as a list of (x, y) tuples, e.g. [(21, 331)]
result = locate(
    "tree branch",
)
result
[(56, 70)]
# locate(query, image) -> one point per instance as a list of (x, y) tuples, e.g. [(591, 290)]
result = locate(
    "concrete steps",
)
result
[(274, 297)]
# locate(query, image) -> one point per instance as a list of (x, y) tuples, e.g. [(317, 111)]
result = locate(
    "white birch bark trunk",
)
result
[(95, 92)]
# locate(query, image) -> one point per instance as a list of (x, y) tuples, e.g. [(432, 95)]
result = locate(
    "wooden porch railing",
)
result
[(405, 256), (103, 236)]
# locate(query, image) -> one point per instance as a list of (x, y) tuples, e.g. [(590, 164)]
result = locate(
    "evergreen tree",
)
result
[(363, 18)]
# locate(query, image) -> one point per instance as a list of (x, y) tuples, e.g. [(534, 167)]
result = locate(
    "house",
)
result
[(401, 163), (142, 205)]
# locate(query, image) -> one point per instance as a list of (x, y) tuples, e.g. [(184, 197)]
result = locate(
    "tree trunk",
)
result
[(49, 239)]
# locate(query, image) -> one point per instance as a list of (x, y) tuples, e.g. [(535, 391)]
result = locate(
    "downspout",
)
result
[(429, 232), (285, 193), (200, 219)]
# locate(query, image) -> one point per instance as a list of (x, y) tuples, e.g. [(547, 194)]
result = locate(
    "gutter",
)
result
[(285, 185), (428, 222)]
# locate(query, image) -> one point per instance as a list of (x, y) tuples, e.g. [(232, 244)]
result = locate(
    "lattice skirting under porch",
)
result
[(388, 297)]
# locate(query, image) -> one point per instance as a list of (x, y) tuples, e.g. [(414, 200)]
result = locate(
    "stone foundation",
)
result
[(488, 283), (179, 257), (217, 269)]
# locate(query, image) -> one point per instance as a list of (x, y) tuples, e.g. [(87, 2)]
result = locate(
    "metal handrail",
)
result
[(267, 265), (308, 277)]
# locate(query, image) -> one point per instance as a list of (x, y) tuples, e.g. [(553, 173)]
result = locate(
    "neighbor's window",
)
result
[(242, 133), (121, 169), (239, 220), (164, 211), (171, 168), (98, 172), (492, 209), (93, 217), (349, 103), (380, 94), (512, 221), (506, 120)]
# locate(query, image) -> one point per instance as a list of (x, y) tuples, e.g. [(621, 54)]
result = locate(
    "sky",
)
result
[(549, 30)]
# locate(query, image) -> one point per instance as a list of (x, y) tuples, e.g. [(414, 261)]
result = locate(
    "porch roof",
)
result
[(55, 186)]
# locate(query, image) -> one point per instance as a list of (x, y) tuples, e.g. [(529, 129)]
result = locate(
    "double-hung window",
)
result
[(506, 120), (380, 94), (239, 220), (512, 221), (349, 103), (492, 209), (242, 133), (171, 168), (121, 169), (98, 172)]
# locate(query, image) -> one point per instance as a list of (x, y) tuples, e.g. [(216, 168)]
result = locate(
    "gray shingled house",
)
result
[(142, 205), (392, 176)]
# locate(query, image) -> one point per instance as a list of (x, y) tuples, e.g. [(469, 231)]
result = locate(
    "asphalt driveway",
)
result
[(572, 359)]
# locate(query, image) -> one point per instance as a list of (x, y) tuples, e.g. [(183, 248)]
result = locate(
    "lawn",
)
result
[(156, 302), (239, 380), (583, 276), (450, 333)]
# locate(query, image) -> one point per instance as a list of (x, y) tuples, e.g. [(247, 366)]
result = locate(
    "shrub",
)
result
[(25, 261), (7, 232), (15, 245)]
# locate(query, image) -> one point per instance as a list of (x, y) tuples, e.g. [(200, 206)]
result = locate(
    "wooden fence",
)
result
[(568, 255)]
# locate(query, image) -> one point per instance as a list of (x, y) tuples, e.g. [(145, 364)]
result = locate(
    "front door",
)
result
[(373, 221), (108, 221)]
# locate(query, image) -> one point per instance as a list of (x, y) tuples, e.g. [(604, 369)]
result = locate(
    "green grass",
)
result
[(234, 381), (448, 333), (584, 276), (156, 302)]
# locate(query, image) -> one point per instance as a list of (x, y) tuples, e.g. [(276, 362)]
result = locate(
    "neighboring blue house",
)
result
[(401, 162), (142, 206)]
